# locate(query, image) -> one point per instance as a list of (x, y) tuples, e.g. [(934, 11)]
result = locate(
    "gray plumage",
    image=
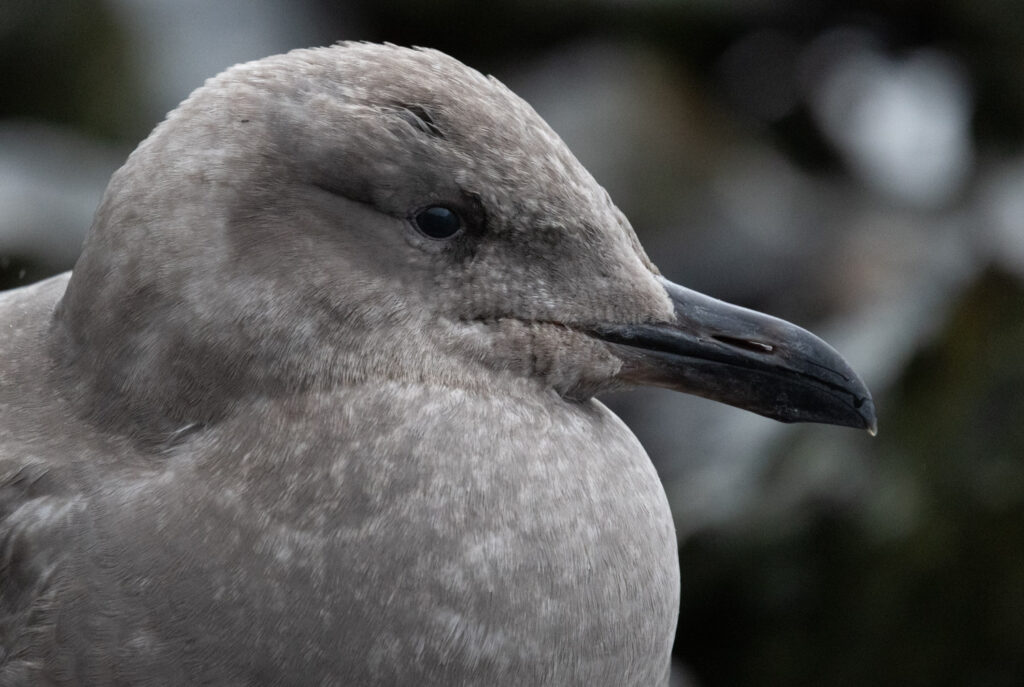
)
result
[(270, 433)]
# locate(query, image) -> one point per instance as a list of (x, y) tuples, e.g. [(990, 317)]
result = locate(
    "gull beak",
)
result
[(743, 358)]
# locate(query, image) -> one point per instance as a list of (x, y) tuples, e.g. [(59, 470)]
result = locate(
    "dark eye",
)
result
[(438, 222)]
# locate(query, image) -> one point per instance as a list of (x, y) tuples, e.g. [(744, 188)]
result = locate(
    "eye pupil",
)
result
[(438, 222)]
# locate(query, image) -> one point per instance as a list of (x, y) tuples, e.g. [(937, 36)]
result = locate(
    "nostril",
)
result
[(745, 344)]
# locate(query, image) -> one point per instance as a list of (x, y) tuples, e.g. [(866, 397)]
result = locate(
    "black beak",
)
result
[(743, 358)]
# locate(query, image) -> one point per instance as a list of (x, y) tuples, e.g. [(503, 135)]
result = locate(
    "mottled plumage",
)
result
[(269, 433)]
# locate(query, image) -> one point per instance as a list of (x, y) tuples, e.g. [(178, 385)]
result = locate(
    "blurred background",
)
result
[(855, 167)]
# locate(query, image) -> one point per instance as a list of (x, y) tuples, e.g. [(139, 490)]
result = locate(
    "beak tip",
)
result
[(867, 413)]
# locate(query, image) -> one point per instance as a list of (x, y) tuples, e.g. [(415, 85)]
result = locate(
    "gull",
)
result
[(316, 405)]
